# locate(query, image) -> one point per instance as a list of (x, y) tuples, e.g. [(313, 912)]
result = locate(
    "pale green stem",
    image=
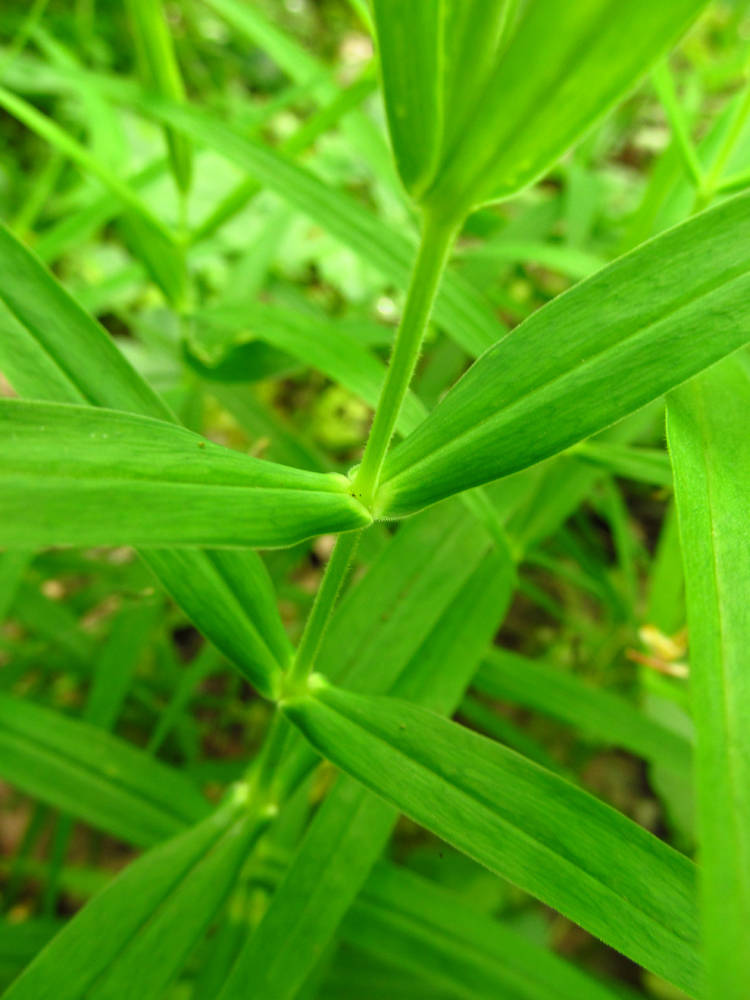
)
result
[(437, 240), (320, 615)]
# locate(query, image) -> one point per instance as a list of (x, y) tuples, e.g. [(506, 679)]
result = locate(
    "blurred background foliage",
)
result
[(601, 599)]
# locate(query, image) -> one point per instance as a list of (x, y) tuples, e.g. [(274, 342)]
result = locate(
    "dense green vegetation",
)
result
[(374, 499)]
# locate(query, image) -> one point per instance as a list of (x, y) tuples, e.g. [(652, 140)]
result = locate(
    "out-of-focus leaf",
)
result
[(315, 342), (604, 349), (131, 940), (151, 240), (93, 775), (644, 465), (707, 426), (162, 72), (608, 717), (463, 312), (406, 921)]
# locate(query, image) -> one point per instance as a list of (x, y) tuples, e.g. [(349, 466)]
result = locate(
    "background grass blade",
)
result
[(115, 947), (93, 775), (409, 922)]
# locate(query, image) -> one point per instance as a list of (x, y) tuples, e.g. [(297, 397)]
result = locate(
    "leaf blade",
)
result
[(526, 824), (600, 351), (707, 426)]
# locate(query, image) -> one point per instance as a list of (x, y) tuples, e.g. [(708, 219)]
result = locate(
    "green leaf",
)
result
[(608, 717), (96, 777), (50, 348), (75, 360), (707, 426), (13, 565), (604, 349), (345, 839), (526, 824), (410, 41), (118, 661), (563, 68), (131, 940), (162, 73), (644, 465), (352, 827), (407, 921), (85, 476)]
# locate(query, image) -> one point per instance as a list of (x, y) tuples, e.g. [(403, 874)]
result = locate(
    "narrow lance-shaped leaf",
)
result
[(708, 437), (50, 348), (410, 43), (638, 328), (528, 825), (83, 476), (93, 775), (132, 939)]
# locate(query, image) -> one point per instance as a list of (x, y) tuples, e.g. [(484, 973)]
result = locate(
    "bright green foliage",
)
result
[(521, 821), (193, 362), (483, 99), (151, 484), (707, 422), (162, 74), (611, 345), (132, 938)]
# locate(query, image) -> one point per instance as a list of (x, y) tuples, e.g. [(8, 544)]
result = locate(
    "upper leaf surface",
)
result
[(527, 824), (80, 476), (643, 325)]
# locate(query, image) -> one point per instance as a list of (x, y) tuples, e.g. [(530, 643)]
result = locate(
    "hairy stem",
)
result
[(437, 240), (263, 770)]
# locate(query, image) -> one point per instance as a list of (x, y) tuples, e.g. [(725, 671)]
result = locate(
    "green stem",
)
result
[(437, 240), (263, 770), (320, 615)]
